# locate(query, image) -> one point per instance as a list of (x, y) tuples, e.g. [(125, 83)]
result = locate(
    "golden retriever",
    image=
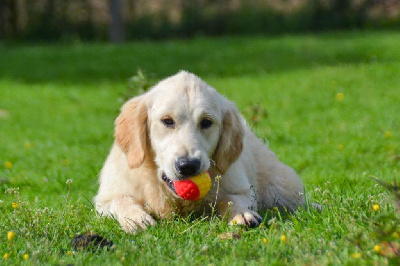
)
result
[(180, 128)]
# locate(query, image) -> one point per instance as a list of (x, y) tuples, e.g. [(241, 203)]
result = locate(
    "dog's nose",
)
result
[(187, 167)]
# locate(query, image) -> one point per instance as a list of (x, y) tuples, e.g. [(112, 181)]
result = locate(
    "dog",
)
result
[(180, 128)]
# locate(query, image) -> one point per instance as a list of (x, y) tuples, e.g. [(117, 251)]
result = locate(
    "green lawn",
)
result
[(333, 114)]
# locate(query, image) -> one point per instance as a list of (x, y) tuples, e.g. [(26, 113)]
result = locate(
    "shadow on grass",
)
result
[(228, 56)]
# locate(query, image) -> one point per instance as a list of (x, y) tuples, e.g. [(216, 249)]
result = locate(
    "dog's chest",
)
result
[(167, 205)]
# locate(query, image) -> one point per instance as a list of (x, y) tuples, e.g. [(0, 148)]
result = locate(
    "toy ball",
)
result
[(193, 188)]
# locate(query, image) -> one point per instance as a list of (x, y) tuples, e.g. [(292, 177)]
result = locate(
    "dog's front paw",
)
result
[(130, 215), (134, 223), (248, 218)]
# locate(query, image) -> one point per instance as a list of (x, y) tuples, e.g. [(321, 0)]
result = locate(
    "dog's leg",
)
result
[(131, 216), (279, 186), (238, 198)]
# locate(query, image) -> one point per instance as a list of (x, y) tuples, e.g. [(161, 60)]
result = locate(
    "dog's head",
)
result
[(183, 125)]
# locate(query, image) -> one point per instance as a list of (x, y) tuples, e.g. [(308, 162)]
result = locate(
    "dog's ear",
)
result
[(230, 143), (131, 131)]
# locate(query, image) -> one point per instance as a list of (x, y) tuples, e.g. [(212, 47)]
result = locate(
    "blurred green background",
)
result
[(119, 20)]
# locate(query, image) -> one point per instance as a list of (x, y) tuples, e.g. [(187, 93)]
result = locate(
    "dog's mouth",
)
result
[(169, 182)]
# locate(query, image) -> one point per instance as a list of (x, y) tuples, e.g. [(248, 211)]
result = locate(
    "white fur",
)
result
[(131, 189)]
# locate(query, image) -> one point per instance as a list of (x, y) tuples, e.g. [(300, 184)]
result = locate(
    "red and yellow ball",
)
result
[(193, 188)]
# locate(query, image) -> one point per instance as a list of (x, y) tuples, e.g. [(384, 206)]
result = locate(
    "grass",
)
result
[(332, 104)]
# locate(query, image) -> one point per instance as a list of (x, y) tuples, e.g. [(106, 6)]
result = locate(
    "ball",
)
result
[(193, 188)]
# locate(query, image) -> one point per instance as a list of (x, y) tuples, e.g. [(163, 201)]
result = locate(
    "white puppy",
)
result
[(180, 128)]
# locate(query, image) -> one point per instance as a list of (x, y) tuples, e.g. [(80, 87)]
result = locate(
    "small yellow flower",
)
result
[(377, 248), (265, 240), (10, 235), (275, 208), (339, 96), (25, 257), (283, 239), (376, 207), (15, 205), (388, 134), (8, 165), (356, 255), (27, 145), (234, 222), (6, 256), (340, 147), (69, 253)]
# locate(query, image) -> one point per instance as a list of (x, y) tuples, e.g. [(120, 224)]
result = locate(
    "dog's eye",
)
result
[(206, 123), (168, 122)]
